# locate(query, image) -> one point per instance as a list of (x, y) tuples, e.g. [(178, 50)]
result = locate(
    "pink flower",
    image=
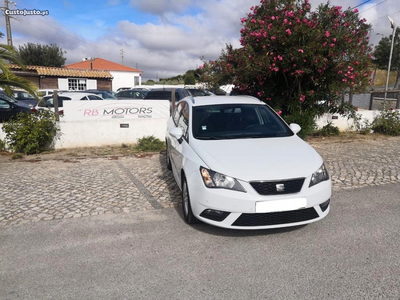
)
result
[(312, 91), (301, 50), (272, 18), (280, 57), (356, 10), (327, 34), (332, 45), (279, 112), (243, 20), (302, 98), (288, 31), (273, 38)]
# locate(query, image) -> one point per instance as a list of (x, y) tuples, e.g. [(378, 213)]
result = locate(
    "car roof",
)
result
[(214, 100), (164, 89), (73, 95)]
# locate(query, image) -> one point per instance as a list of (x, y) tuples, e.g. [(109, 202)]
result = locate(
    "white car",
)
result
[(48, 101), (240, 166)]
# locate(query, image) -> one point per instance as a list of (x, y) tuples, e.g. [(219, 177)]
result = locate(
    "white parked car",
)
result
[(48, 101), (240, 166)]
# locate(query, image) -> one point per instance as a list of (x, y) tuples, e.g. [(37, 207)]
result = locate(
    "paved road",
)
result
[(351, 254), (74, 188)]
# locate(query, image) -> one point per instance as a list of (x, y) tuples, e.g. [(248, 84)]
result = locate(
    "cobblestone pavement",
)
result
[(57, 189)]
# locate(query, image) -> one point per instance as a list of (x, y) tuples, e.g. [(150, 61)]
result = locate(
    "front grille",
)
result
[(276, 218), (275, 187)]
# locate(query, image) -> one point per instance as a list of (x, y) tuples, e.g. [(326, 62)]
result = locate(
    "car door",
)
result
[(177, 146)]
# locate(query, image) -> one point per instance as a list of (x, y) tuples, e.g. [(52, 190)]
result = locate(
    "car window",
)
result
[(48, 101), (159, 95), (4, 104), (94, 97), (27, 96), (235, 121), (183, 121)]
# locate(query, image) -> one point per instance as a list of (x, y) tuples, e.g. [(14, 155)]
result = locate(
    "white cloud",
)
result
[(160, 7), (173, 45)]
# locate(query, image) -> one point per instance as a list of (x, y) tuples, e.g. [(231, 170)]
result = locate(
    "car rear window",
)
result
[(159, 95)]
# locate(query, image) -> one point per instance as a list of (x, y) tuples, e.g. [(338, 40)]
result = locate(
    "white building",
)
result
[(123, 76)]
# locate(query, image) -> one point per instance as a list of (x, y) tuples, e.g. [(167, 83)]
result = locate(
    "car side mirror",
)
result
[(295, 128), (176, 132)]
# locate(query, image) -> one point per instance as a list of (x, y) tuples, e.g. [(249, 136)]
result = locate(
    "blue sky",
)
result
[(162, 37)]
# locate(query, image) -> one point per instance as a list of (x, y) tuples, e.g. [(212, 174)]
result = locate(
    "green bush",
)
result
[(327, 130), (150, 143), (2, 145), (31, 133), (306, 122), (189, 79), (387, 122)]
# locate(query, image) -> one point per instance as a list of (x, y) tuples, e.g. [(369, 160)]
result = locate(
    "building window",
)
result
[(76, 84)]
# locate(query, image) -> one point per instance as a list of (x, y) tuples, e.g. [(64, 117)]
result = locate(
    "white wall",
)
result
[(343, 123), (109, 132), (106, 132), (124, 79)]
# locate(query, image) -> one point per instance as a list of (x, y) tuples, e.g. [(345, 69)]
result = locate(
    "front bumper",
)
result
[(237, 210)]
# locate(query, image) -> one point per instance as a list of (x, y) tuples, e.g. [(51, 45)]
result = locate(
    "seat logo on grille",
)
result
[(280, 187)]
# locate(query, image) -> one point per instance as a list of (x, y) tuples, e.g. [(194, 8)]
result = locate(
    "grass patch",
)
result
[(380, 78), (150, 143)]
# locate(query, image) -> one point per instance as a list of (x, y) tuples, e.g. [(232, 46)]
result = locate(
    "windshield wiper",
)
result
[(211, 138)]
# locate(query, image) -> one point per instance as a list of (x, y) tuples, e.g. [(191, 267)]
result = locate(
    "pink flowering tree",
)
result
[(292, 57)]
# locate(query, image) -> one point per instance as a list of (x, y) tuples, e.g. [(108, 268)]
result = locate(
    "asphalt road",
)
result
[(354, 253)]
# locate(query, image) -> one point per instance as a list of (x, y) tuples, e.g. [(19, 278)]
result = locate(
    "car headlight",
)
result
[(217, 180), (320, 175)]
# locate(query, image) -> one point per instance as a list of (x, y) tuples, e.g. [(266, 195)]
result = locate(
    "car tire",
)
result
[(168, 157), (186, 207)]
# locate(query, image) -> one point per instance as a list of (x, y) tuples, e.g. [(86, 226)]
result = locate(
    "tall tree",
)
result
[(42, 55), (382, 54), (292, 57), (8, 80)]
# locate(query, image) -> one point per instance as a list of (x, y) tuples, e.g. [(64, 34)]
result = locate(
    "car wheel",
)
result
[(168, 158), (186, 207)]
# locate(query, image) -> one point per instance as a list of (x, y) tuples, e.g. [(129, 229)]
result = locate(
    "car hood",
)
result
[(259, 159)]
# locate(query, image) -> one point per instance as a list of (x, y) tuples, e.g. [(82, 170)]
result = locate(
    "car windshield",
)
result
[(4, 96), (237, 121)]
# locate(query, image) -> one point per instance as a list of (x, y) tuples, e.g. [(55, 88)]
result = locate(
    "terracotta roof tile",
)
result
[(63, 72), (102, 64)]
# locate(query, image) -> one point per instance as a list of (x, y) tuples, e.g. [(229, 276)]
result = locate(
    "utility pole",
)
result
[(8, 23), (122, 55), (393, 25)]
